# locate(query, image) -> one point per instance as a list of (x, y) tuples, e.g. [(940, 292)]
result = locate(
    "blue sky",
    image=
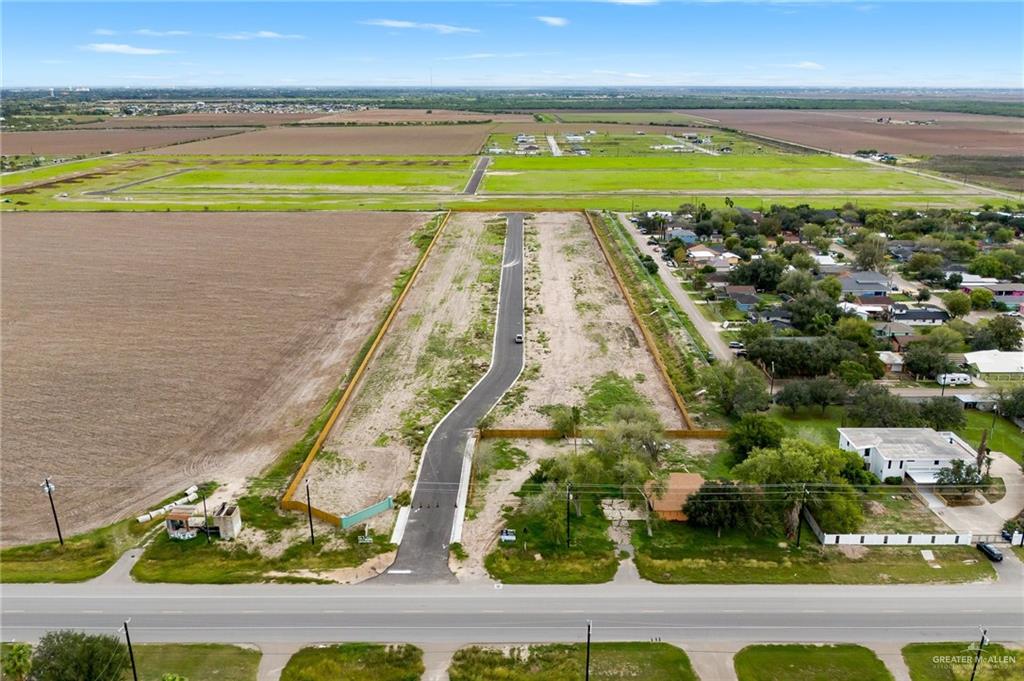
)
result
[(628, 42)]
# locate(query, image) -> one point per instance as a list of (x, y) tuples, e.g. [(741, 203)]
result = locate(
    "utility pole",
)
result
[(575, 411), (588, 650), (799, 515), (309, 511), (771, 388), (568, 517), (48, 488), (206, 520), (131, 653), (977, 657)]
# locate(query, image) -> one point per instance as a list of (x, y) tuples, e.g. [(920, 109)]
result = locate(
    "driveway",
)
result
[(989, 518), (707, 330)]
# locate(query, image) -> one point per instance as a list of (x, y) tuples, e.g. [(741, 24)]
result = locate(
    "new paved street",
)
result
[(423, 553)]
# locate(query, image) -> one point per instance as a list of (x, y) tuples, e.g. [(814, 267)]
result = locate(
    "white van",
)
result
[(953, 379)]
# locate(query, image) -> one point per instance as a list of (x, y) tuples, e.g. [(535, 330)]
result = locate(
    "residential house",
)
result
[(865, 284), (893, 361), (779, 317), (745, 302), (668, 504), (916, 453), (826, 260), (903, 343), (701, 254), (891, 329), (997, 366), (687, 236), (1012, 303), (924, 315), (1000, 290)]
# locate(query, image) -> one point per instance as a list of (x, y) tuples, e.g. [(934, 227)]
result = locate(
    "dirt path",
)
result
[(578, 326)]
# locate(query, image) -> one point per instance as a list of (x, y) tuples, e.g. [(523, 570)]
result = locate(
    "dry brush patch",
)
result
[(438, 346), (143, 353), (416, 116), (579, 328)]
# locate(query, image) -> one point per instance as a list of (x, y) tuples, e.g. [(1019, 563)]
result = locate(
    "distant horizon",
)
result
[(612, 43)]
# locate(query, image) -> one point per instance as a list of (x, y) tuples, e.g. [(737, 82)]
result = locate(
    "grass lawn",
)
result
[(196, 662), (679, 554), (590, 560), (608, 662), (1005, 437), (355, 662), (810, 424), (82, 557), (809, 663), (953, 662), (886, 512)]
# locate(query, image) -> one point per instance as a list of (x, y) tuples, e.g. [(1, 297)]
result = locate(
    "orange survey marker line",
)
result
[(286, 501)]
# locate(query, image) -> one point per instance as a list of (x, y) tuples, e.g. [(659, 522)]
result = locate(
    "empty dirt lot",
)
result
[(74, 142), (848, 131), (416, 116), (328, 140), (441, 338), (144, 353), (579, 326)]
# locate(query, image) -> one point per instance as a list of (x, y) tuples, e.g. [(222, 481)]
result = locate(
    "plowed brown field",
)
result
[(187, 119), (416, 116), (74, 142), (389, 140), (848, 131), (144, 353)]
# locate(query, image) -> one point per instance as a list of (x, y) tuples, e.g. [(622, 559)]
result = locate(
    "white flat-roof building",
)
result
[(918, 453)]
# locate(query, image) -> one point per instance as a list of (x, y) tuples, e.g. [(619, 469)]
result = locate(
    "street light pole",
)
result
[(131, 653), (48, 488)]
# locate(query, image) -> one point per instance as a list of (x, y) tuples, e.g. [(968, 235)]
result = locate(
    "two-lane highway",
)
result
[(423, 552), (462, 614)]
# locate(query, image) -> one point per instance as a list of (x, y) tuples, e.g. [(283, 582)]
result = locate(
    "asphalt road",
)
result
[(277, 613), (478, 175), (423, 553)]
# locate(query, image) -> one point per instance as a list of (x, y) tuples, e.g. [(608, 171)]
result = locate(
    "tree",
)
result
[(719, 505), (825, 391), (957, 303), (793, 395), (925, 265), (853, 373), (923, 359), (736, 387), (959, 479), (945, 339), (831, 286), (795, 468), (870, 253), (17, 662), (856, 330), (796, 282), (813, 312), (1006, 333), (943, 413), (981, 298), (75, 656), (1011, 404), (763, 274), (754, 431), (873, 406)]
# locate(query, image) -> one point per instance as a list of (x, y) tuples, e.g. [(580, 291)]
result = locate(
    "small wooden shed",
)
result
[(678, 488)]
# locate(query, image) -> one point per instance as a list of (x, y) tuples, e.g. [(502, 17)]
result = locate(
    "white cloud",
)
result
[(103, 31), (117, 48), (160, 34), (260, 35), (806, 66), (553, 21), (443, 29)]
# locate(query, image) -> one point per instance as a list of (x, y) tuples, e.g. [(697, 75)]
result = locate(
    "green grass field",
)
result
[(608, 662), (196, 662), (355, 662), (680, 554), (954, 661), (809, 663)]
